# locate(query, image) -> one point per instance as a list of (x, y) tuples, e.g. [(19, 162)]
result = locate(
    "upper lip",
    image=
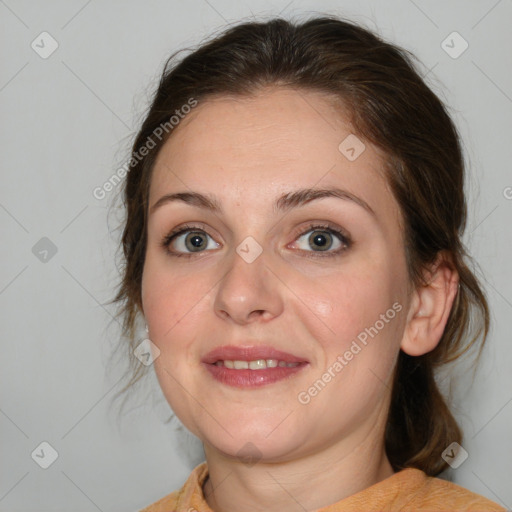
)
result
[(249, 353)]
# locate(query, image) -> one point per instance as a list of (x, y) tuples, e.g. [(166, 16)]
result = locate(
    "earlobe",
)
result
[(430, 309)]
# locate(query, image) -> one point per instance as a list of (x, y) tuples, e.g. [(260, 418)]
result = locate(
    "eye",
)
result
[(188, 240), (323, 239), (326, 240)]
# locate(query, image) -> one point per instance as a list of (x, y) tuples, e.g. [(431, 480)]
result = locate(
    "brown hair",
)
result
[(392, 107)]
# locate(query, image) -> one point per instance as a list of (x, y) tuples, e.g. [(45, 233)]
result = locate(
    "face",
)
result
[(274, 276)]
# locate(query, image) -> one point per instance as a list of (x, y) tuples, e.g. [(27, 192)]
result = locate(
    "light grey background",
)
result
[(66, 122)]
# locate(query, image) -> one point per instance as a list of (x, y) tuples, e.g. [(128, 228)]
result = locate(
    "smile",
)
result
[(257, 364), (251, 365)]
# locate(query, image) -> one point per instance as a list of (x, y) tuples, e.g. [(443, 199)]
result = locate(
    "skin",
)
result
[(247, 152)]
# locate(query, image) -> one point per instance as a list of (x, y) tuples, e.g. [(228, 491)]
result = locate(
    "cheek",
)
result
[(346, 303), (168, 303), (173, 310), (358, 321), (359, 349)]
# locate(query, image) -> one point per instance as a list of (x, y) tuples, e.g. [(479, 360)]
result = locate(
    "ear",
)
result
[(430, 308)]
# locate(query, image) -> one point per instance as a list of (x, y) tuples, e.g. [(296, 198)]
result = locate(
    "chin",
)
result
[(252, 443)]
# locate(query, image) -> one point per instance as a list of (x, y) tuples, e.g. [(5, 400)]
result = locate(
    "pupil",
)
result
[(196, 240), (320, 240)]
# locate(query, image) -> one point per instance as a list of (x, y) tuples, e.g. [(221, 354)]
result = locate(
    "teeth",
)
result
[(258, 364)]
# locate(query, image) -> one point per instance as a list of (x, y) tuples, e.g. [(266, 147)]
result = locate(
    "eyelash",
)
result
[(343, 238)]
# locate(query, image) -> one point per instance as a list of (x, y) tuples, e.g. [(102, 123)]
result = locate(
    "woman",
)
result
[(295, 209)]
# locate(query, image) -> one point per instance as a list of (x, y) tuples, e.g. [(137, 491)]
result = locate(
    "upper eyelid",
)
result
[(300, 232)]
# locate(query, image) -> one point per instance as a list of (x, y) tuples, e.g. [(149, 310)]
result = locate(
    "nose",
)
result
[(248, 292)]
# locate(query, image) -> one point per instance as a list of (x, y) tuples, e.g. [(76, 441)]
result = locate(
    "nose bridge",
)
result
[(247, 285)]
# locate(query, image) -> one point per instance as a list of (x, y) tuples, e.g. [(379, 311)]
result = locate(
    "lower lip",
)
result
[(252, 378)]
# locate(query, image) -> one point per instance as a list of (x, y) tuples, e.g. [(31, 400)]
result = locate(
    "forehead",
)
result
[(254, 148)]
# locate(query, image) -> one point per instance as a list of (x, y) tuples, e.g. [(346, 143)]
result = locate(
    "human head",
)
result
[(390, 107)]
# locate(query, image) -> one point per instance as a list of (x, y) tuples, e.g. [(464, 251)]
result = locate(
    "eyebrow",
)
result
[(285, 202)]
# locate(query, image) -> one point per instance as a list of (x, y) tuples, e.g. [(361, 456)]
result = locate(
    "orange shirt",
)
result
[(408, 490)]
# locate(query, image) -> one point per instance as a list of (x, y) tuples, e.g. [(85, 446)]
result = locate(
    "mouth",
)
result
[(256, 364), (251, 366)]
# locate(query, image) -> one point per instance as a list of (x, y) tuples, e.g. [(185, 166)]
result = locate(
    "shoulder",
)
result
[(412, 490), (164, 504), (189, 494), (438, 494)]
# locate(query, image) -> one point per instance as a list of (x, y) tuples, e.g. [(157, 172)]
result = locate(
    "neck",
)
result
[(312, 481)]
